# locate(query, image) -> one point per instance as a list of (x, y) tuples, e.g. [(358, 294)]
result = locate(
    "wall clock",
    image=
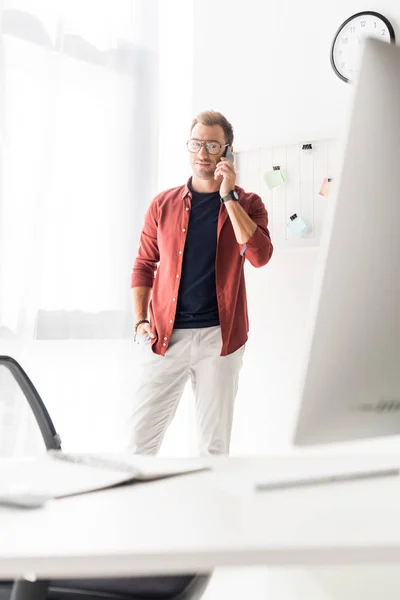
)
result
[(346, 45)]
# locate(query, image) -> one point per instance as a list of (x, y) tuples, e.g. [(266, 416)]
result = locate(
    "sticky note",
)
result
[(325, 187), (274, 178), (297, 226)]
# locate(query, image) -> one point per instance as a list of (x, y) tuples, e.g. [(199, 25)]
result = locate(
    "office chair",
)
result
[(167, 587)]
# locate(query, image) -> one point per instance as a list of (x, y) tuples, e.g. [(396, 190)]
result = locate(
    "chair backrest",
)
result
[(50, 437)]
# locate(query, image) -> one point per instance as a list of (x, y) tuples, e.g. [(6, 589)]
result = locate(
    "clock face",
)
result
[(345, 53)]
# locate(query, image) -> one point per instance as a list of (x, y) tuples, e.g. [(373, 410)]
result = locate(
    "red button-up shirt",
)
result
[(158, 264)]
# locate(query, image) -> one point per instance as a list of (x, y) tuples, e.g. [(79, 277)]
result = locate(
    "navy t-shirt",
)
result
[(197, 299)]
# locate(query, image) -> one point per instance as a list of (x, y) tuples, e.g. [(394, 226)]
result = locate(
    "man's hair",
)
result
[(212, 117)]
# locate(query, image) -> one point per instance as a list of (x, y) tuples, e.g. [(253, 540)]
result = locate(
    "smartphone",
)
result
[(229, 155)]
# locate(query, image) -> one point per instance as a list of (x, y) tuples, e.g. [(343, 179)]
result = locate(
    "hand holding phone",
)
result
[(226, 171)]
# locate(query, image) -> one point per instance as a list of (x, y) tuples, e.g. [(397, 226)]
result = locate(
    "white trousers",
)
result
[(193, 353)]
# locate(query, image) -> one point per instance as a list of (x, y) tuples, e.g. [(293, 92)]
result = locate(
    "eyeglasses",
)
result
[(211, 147)]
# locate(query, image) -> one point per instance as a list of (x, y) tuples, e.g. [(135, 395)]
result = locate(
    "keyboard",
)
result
[(91, 460)]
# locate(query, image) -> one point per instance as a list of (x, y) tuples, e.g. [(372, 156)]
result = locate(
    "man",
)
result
[(189, 293)]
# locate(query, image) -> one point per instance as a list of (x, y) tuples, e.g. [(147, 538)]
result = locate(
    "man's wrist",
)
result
[(231, 196), (140, 322)]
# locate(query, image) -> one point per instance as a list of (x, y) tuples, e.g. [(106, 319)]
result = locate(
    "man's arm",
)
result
[(141, 298), (145, 265), (251, 230), (243, 226)]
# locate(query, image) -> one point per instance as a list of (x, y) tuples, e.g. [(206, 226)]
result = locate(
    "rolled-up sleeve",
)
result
[(145, 264), (258, 249)]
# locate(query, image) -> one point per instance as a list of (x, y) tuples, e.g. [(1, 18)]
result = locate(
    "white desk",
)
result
[(196, 522)]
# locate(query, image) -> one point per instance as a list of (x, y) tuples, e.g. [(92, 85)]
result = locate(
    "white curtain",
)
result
[(78, 127)]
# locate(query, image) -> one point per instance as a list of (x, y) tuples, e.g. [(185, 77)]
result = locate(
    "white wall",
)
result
[(266, 66), (175, 89), (268, 70)]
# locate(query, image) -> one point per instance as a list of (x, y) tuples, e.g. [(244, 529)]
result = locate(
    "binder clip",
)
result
[(307, 148), (297, 226)]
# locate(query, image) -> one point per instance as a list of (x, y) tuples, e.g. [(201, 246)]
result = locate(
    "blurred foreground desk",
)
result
[(196, 522)]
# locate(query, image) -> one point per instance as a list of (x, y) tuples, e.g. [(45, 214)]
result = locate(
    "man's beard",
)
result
[(205, 173)]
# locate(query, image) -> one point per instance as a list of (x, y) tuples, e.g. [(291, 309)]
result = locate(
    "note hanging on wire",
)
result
[(325, 187), (274, 178)]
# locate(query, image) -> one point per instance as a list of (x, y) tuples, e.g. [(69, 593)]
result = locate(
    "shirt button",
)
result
[(164, 344), (173, 299), (165, 338), (177, 276), (187, 208), (183, 230), (180, 252), (170, 321)]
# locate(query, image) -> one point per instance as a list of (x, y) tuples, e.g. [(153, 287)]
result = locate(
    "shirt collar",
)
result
[(188, 192), (186, 189)]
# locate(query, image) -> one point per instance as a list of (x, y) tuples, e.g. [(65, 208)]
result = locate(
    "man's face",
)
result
[(203, 164)]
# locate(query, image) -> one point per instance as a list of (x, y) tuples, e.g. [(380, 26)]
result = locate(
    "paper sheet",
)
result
[(274, 178), (325, 187), (56, 477)]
